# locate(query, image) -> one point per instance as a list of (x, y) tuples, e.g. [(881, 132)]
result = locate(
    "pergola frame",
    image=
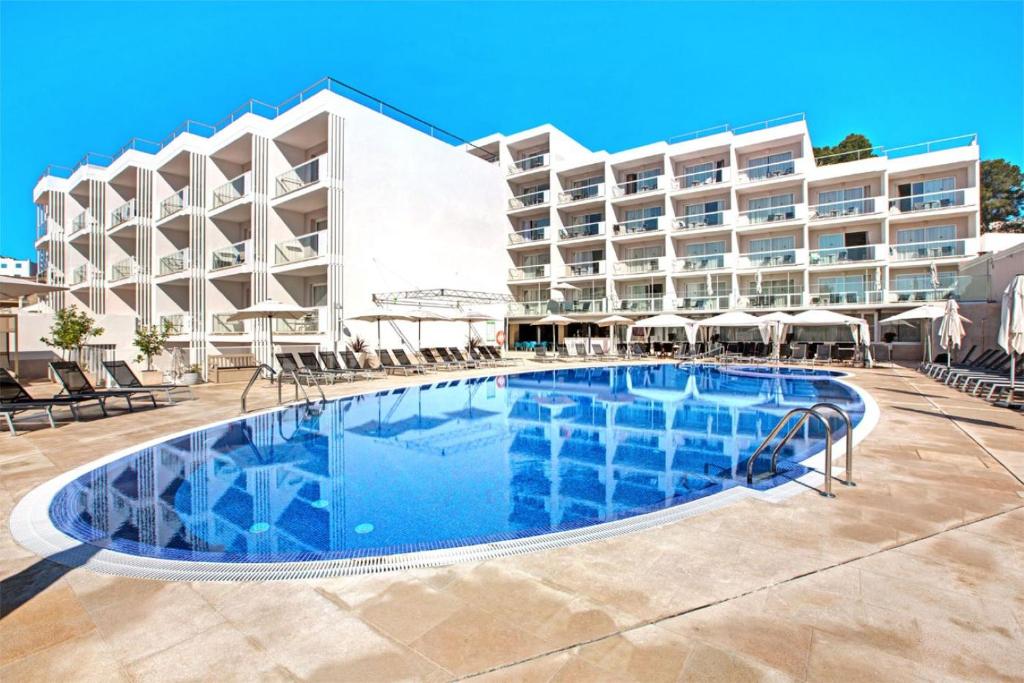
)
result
[(444, 297)]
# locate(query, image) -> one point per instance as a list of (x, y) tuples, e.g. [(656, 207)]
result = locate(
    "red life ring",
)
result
[(500, 337)]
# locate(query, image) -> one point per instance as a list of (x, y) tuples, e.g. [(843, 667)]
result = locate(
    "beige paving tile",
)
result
[(37, 616), (85, 659)]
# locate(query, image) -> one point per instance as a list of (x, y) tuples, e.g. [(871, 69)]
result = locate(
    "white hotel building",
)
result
[(333, 196)]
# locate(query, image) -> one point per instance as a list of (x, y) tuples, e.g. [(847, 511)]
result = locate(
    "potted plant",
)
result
[(192, 375), (70, 331), (889, 337), (151, 340), (359, 347)]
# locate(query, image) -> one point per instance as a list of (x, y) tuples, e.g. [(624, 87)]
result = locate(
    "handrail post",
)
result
[(252, 380), (847, 480)]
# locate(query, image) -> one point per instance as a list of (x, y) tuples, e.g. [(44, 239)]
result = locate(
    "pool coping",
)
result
[(32, 527)]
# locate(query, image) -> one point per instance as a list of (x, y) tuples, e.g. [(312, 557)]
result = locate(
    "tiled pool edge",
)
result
[(31, 526)]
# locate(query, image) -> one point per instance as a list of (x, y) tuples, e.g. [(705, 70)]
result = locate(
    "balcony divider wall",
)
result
[(335, 230), (197, 261), (97, 213), (144, 245), (260, 179)]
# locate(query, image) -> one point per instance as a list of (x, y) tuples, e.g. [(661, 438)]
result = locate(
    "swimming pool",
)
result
[(448, 464)]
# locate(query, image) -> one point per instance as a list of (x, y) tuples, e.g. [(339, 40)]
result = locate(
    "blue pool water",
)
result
[(446, 464)]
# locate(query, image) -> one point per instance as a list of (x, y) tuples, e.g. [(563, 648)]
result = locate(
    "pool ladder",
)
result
[(805, 414), (295, 375)]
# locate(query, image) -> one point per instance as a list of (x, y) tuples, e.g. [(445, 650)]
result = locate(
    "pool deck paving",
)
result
[(915, 574)]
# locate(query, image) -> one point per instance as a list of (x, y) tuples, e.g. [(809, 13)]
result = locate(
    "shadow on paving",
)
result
[(959, 418), (18, 589)]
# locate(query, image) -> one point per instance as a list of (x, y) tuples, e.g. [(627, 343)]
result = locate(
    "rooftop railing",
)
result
[(123, 213), (530, 163), (236, 188), (175, 263), (230, 256), (298, 177), (175, 203), (577, 194), (841, 209), (580, 230), (302, 248), (746, 128)]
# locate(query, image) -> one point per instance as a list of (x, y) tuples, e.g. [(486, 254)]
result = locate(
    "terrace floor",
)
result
[(917, 573)]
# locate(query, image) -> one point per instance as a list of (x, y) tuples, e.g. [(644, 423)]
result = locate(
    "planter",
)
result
[(151, 376), (368, 359), (190, 378)]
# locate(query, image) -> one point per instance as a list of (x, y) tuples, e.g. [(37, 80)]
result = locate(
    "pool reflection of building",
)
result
[(477, 460)]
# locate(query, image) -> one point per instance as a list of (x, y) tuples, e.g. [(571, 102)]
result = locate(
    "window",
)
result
[(703, 173), (705, 248), (777, 207), (929, 194), (652, 251), (934, 233), (641, 220), (832, 240), (770, 166), (318, 294), (703, 214), (784, 243), (844, 202), (935, 241), (642, 181)]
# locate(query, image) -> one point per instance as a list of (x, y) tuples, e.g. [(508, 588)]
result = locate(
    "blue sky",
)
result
[(82, 77)]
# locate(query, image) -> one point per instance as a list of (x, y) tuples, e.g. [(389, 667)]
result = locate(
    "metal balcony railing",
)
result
[(941, 293), (584, 268), (536, 234), (301, 249), (528, 308), (576, 194), (584, 306), (298, 177), (230, 256), (236, 188), (79, 222), (571, 232), (773, 298), (771, 214), (176, 323), (841, 255), (719, 301), (771, 259), (699, 263), (123, 213), (842, 209), (927, 250), (78, 275), (175, 203), (769, 171), (177, 262)]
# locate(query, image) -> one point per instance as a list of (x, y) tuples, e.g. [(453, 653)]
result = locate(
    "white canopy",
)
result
[(375, 316), (271, 309), (615, 320), (472, 317), (554, 319), (731, 319), (17, 287), (926, 312), (666, 320), (775, 325), (1011, 325), (824, 318)]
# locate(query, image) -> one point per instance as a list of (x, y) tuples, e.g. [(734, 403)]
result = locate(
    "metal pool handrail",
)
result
[(805, 413), (252, 380)]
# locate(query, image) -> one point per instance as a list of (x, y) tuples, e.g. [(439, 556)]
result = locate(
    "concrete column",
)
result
[(261, 247), (144, 244), (336, 232), (97, 216), (197, 254)]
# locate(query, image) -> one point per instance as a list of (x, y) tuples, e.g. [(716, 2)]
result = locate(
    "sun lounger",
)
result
[(330, 361), (404, 360), (457, 355), (123, 377), (291, 368), (310, 362), (74, 383), (14, 399)]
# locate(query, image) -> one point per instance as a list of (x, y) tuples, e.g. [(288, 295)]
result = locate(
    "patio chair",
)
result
[(74, 383), (330, 360), (311, 363), (390, 365), (14, 399), (403, 359), (291, 368), (823, 354), (798, 353), (433, 360), (123, 377), (457, 355), (450, 359)]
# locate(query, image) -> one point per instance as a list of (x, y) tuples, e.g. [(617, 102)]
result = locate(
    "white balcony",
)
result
[(529, 200), (122, 215), (174, 204), (719, 301), (771, 215), (176, 324), (701, 180), (776, 170), (528, 308), (529, 272), (933, 202), (234, 260), (772, 298), (530, 163), (47, 229), (638, 187), (706, 262), (307, 251), (219, 324), (824, 298), (639, 226), (175, 264), (582, 231), (948, 287), (585, 269), (230, 200), (80, 227), (298, 177), (844, 255), (641, 305), (929, 251), (308, 324), (639, 266), (124, 272), (79, 275), (528, 236), (582, 193), (583, 306), (709, 220), (850, 208), (780, 258)]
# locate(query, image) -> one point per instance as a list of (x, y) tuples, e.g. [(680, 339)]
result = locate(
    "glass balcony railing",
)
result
[(697, 179), (308, 324), (537, 234), (699, 263), (773, 298), (770, 259), (230, 256), (221, 325), (529, 272), (772, 214), (719, 301), (79, 274), (235, 188), (173, 204), (637, 226), (301, 249), (946, 289), (299, 177), (123, 213), (927, 250), (528, 308), (841, 255), (698, 221), (584, 306), (928, 201), (536, 198), (122, 270), (530, 163), (78, 223), (176, 323), (826, 297), (584, 268), (843, 209), (571, 232), (174, 263), (638, 266), (577, 194), (641, 305), (640, 186), (775, 169)]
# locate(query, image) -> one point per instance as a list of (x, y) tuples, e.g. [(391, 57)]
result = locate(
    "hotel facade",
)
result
[(334, 197)]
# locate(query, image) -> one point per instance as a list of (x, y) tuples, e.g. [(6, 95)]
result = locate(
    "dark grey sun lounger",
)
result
[(330, 360), (74, 382), (311, 363), (14, 399), (124, 378)]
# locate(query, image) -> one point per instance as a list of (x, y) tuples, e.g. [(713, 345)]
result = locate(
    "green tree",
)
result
[(1002, 193), (854, 146), (71, 330), (150, 340)]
